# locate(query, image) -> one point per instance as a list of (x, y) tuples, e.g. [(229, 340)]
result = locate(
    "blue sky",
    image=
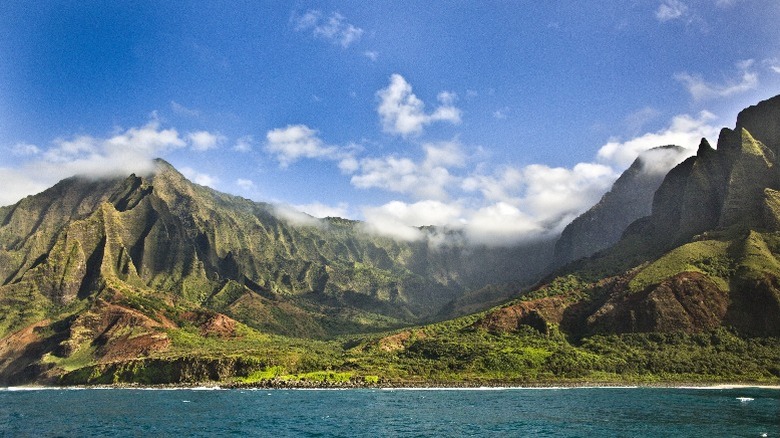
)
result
[(505, 118)]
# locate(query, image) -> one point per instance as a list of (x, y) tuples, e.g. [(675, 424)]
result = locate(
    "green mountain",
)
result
[(705, 258), (151, 279), (153, 252)]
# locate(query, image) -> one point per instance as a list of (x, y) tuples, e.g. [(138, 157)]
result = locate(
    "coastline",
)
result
[(408, 386)]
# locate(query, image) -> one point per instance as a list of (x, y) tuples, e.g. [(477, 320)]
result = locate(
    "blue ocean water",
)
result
[(573, 412)]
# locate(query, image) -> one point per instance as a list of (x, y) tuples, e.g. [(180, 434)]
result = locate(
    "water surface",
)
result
[(575, 412)]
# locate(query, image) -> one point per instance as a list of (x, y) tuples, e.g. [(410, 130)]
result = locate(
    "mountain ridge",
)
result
[(152, 279)]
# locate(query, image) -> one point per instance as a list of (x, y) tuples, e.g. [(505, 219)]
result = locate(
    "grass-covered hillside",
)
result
[(155, 280)]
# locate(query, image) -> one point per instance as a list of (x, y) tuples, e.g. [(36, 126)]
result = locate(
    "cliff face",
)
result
[(725, 187), (629, 199), (160, 235), (707, 256)]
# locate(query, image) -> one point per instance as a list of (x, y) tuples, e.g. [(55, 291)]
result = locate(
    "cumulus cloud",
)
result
[(502, 224), (403, 113), (294, 142), (502, 185), (700, 89), (245, 184), (671, 10), (515, 204), (557, 195), (428, 179), (685, 131), (203, 179), (334, 28), (123, 153), (204, 140), (25, 150)]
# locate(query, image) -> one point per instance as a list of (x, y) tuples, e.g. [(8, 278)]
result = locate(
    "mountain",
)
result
[(706, 257), (629, 199), (101, 261), (152, 279)]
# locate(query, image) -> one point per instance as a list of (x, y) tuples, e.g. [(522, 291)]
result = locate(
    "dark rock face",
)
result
[(536, 314), (719, 188), (687, 302), (730, 192), (628, 200)]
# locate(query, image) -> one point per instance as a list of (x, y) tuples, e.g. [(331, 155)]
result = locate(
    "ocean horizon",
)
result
[(722, 410)]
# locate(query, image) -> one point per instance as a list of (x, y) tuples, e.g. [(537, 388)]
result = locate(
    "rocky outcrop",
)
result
[(687, 302), (629, 199), (537, 314)]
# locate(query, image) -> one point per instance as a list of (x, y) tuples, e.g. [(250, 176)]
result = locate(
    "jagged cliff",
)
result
[(629, 199), (705, 257), (152, 279), (160, 234)]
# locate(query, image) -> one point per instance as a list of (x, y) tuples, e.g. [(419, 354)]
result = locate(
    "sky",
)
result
[(505, 119)]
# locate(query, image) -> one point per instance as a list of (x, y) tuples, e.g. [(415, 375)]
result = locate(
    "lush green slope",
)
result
[(155, 280), (87, 256)]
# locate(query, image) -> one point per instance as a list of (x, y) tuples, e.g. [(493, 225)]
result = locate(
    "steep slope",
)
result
[(107, 270), (194, 247), (629, 199), (707, 256)]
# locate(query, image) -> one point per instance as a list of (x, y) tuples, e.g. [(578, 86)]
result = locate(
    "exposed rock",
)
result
[(629, 199), (537, 314), (399, 341), (687, 302)]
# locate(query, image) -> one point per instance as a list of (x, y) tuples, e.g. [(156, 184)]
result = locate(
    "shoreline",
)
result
[(406, 386)]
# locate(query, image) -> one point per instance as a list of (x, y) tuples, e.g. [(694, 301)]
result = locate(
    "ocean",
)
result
[(565, 412)]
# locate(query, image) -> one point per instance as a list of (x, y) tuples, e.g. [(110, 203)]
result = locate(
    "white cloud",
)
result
[(685, 131), (20, 183), (426, 180), (296, 217), (418, 214), (123, 153), (294, 142), (554, 196), (203, 179), (502, 224), (671, 10), (320, 210), (660, 160), (244, 144), (700, 89), (402, 113), (503, 185), (334, 29), (371, 54), (204, 140), (25, 150), (245, 184)]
